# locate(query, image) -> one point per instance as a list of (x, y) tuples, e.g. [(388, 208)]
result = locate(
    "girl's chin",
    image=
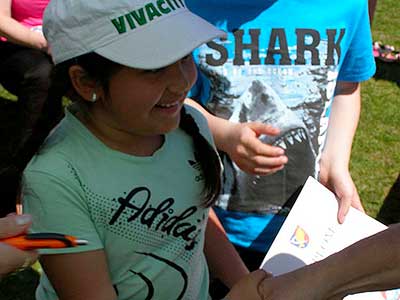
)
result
[(170, 125)]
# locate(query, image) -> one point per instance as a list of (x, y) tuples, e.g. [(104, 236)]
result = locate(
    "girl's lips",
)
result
[(167, 105), (169, 108)]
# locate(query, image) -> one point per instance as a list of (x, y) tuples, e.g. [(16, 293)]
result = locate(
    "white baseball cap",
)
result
[(144, 34)]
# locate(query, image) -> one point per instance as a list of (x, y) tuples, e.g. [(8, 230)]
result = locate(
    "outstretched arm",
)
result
[(334, 165), (368, 265), (240, 141)]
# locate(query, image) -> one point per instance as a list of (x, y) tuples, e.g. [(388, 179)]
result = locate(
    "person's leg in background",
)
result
[(25, 73), (371, 10)]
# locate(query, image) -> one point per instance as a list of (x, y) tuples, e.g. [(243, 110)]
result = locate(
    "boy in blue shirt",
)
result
[(296, 66)]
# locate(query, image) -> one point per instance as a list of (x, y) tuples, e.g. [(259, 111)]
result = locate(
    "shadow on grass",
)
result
[(390, 210), (19, 286), (387, 71)]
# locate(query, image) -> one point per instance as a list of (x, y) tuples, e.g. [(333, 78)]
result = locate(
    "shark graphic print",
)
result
[(294, 98)]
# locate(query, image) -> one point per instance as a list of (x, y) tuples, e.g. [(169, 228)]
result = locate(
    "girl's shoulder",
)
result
[(58, 154), (196, 114)]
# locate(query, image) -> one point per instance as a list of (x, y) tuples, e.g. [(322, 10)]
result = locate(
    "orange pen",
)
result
[(43, 240)]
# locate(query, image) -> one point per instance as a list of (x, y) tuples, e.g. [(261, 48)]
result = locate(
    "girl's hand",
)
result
[(241, 142), (12, 258), (243, 145)]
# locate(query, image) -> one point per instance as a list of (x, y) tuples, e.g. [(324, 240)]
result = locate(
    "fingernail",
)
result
[(22, 220)]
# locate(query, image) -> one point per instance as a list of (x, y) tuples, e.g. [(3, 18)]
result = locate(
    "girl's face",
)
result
[(146, 102)]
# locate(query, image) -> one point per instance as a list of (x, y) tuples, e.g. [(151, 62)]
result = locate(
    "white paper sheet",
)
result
[(311, 232)]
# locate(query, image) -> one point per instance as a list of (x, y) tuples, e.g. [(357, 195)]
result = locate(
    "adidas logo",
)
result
[(196, 165)]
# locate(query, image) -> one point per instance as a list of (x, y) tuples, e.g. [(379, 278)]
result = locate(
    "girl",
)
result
[(129, 168)]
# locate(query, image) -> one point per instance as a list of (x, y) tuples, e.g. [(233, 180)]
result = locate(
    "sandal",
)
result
[(386, 53), (393, 56), (376, 49)]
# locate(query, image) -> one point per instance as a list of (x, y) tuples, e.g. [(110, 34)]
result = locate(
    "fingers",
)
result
[(247, 287), (356, 203), (265, 171), (13, 259), (251, 154), (259, 275), (250, 167), (344, 206), (269, 162), (255, 146), (14, 224), (348, 196), (260, 165), (261, 128), (256, 157)]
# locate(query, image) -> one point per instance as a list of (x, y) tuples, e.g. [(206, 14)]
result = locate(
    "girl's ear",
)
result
[(83, 84)]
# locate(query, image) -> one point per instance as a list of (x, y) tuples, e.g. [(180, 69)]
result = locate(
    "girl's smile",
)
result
[(171, 108)]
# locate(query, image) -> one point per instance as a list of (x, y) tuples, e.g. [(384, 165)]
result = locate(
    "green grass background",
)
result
[(375, 162)]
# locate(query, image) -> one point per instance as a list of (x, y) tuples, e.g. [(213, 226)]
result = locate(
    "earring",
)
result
[(94, 98)]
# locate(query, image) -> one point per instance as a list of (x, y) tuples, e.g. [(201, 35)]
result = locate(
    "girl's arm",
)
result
[(18, 33), (240, 141), (334, 164), (79, 276), (223, 260)]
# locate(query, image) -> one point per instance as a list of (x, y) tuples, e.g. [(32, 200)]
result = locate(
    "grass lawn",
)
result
[(375, 162)]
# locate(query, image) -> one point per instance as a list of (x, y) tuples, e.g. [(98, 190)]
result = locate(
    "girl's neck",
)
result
[(126, 142)]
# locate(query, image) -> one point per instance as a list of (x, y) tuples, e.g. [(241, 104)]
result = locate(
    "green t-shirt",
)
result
[(144, 212)]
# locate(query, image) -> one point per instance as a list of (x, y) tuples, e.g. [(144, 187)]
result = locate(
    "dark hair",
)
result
[(207, 156), (101, 70)]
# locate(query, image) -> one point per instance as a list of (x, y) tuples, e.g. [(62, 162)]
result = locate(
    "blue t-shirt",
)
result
[(279, 65)]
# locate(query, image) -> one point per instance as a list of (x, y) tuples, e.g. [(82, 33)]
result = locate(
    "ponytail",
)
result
[(206, 155)]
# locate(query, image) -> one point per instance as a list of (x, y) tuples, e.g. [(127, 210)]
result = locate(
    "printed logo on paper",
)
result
[(300, 238)]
